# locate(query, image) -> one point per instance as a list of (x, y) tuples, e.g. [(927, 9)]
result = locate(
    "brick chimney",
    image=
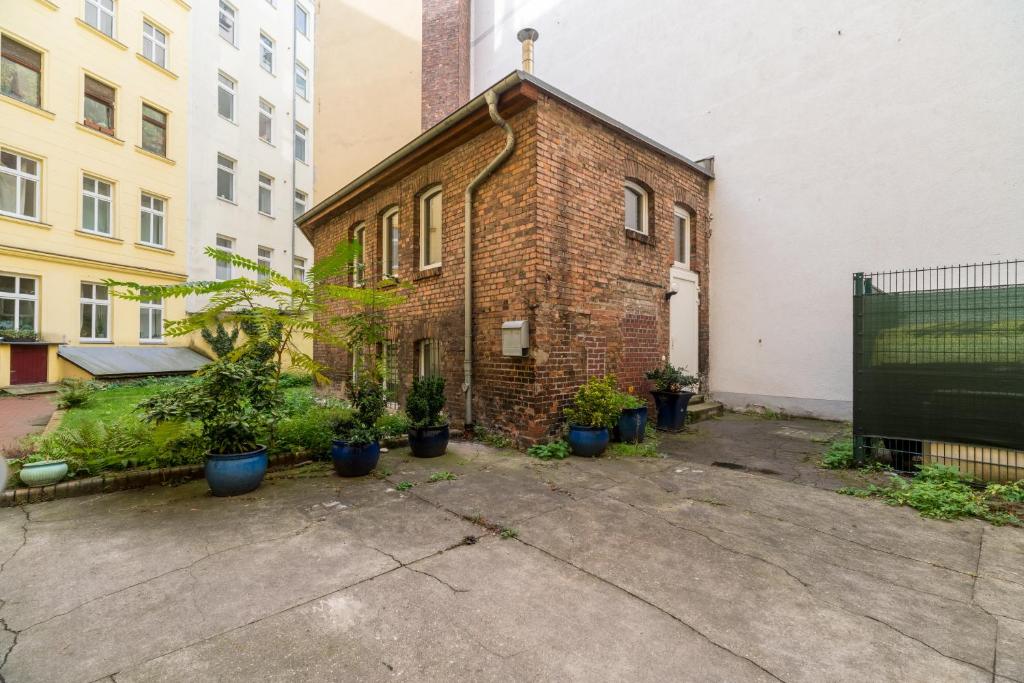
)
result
[(445, 75)]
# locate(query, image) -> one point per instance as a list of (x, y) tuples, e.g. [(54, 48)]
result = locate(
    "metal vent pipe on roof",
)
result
[(527, 36)]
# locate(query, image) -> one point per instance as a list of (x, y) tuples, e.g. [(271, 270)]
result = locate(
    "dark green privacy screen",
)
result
[(938, 355)]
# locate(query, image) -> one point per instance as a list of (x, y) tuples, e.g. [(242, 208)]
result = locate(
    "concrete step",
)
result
[(29, 389), (703, 410)]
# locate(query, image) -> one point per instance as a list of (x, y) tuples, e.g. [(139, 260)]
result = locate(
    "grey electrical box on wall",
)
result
[(515, 338)]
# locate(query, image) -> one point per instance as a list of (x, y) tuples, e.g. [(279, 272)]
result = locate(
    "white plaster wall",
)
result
[(847, 136), (210, 134)]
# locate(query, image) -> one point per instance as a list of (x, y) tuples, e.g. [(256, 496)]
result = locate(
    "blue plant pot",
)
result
[(588, 441), (671, 409), (428, 442), (632, 425), (234, 474), (354, 460)]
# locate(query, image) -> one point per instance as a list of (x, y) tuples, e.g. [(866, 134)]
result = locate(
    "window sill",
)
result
[(427, 273), (227, 201), (110, 39), (95, 341), (229, 42), (28, 107), (93, 131), (152, 342), (154, 247), (154, 155), (266, 215), (184, 5), (48, 5), (268, 143), (25, 221), (639, 237), (162, 69), (99, 236), (227, 120)]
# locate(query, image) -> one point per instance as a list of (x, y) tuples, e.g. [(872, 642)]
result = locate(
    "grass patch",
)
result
[(648, 448), (839, 455), (556, 450), (115, 402), (442, 476), (404, 485)]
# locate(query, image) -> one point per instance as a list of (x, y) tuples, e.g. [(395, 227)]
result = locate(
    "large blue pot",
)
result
[(671, 407), (235, 473), (588, 441), (428, 442), (354, 460), (632, 424)]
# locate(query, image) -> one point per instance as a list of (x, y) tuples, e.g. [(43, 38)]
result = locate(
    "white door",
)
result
[(683, 319)]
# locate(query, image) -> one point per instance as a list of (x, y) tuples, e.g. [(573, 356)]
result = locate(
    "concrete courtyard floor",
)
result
[(621, 569)]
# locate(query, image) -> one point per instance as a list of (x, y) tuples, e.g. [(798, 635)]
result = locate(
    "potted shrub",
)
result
[(632, 422), (671, 396), (38, 471), (356, 447), (595, 410), (428, 428), (233, 401)]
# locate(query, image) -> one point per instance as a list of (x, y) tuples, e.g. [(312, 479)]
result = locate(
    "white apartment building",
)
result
[(251, 137)]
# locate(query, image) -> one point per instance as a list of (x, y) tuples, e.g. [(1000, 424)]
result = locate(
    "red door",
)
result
[(28, 364)]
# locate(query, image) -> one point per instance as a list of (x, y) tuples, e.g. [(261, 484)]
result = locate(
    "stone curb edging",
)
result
[(120, 482), (54, 421)]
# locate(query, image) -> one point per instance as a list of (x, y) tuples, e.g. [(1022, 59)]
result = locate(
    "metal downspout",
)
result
[(510, 142)]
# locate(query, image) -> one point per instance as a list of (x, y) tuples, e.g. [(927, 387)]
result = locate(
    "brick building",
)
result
[(576, 234)]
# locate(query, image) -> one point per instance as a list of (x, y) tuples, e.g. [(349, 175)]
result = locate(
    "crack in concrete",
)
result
[(408, 565), (3, 602)]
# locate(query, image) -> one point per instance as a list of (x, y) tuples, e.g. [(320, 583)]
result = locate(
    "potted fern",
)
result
[(671, 396), (428, 431), (595, 410), (355, 449)]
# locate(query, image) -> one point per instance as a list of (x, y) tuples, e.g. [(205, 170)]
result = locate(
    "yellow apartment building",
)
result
[(94, 101)]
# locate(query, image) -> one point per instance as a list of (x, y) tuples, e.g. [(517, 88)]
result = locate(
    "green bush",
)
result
[(426, 401), (393, 425), (220, 340), (672, 379), (75, 393), (598, 403), (556, 450), (369, 404), (310, 433), (839, 455), (290, 380)]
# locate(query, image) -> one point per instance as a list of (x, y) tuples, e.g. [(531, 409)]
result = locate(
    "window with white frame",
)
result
[(266, 52), (19, 185), (152, 220), (301, 81), (154, 44), (682, 235), (225, 177), (95, 307), (299, 268), (266, 195), (226, 88), (636, 207), (301, 199), (266, 122), (97, 206), (359, 264), (151, 320), (428, 358), (301, 19), (226, 22), (430, 228), (264, 258), (224, 266), (389, 240), (100, 15), (300, 142), (21, 72), (19, 303)]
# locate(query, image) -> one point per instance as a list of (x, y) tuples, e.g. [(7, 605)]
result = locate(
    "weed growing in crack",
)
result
[(381, 472), (508, 532), (442, 476), (404, 485)]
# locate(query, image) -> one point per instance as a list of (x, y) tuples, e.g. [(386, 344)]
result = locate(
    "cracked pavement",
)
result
[(621, 569)]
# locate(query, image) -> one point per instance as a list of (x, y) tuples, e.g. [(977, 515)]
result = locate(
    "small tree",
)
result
[(426, 401)]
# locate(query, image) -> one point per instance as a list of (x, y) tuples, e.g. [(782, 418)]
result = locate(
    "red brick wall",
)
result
[(445, 80)]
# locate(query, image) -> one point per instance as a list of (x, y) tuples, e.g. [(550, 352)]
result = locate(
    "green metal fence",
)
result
[(938, 368)]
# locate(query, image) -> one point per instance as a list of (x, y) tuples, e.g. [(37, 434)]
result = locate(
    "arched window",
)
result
[(389, 243), (636, 207), (681, 229), (430, 228), (359, 267)]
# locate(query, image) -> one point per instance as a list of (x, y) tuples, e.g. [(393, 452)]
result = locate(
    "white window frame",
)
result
[(231, 88), (153, 214), (265, 110), (230, 247), (423, 347), (386, 267), (97, 198), (642, 199), (359, 236), (230, 170), (681, 214), (93, 302), (299, 268), (226, 9), (149, 308), (266, 184), (265, 258), (430, 192), (17, 296), (305, 13), (302, 73), (264, 51), (297, 202), (100, 12), (301, 132), (156, 38), (20, 178)]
